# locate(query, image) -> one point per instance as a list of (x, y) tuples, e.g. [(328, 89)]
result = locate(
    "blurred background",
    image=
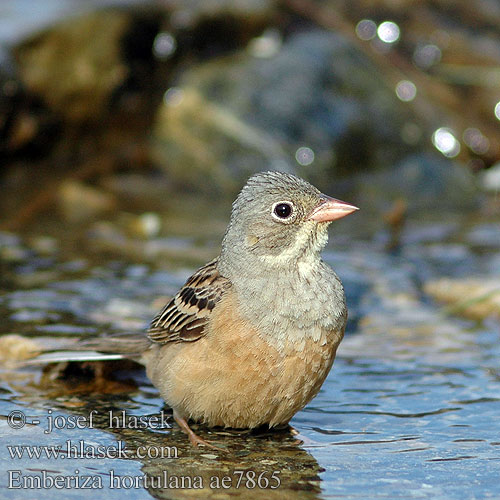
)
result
[(127, 127), (113, 106)]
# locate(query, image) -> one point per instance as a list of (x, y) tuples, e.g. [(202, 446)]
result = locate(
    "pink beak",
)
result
[(331, 209)]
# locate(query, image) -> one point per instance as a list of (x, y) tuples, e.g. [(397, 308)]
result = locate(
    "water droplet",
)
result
[(406, 90), (476, 141), (497, 110), (164, 45), (426, 56), (388, 32), (173, 96), (366, 29), (304, 156), (445, 141), (150, 224)]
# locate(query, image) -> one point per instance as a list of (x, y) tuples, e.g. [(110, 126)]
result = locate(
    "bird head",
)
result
[(280, 219)]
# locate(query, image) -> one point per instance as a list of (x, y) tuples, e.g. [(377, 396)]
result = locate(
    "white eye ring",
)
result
[(282, 211)]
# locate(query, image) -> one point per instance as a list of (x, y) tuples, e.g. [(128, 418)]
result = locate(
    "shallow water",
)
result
[(409, 410)]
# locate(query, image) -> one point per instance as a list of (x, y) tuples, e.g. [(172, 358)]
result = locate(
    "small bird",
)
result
[(251, 336)]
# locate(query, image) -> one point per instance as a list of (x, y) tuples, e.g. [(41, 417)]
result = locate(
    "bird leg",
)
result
[(194, 439)]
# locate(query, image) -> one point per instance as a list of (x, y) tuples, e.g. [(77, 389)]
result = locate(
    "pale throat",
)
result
[(304, 253), (296, 285)]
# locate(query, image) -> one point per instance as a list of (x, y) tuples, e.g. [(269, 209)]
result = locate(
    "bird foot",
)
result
[(194, 439)]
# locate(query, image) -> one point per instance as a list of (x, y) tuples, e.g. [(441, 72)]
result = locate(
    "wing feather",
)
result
[(184, 318)]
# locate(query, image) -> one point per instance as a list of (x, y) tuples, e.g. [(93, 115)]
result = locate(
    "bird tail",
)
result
[(122, 346)]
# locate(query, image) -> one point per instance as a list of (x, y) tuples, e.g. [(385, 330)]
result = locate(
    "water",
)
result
[(408, 411), (408, 429)]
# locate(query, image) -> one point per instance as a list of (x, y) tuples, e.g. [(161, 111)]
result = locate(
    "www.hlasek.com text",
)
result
[(82, 450)]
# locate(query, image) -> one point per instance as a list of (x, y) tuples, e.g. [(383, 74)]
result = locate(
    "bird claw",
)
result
[(194, 439)]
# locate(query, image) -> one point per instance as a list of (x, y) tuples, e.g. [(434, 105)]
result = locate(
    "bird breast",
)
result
[(300, 302), (235, 377)]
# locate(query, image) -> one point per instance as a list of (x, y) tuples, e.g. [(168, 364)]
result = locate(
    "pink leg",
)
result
[(193, 438)]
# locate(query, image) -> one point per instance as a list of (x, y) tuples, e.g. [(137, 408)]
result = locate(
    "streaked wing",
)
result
[(184, 318)]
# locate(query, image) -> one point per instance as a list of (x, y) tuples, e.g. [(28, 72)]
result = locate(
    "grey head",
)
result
[(278, 220)]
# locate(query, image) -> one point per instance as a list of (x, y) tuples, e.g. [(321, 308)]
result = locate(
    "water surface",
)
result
[(408, 411)]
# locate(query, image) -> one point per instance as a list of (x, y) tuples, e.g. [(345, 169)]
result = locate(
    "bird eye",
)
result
[(283, 210)]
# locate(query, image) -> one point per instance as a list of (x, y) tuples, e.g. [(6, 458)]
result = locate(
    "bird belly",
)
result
[(233, 377)]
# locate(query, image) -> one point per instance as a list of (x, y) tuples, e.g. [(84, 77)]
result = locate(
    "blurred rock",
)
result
[(317, 107), (251, 86), (24, 122), (134, 186), (44, 245), (14, 348), (474, 298), (75, 67), (112, 239), (424, 182), (82, 78), (78, 56), (78, 202)]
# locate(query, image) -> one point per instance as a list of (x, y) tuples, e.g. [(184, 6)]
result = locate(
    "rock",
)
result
[(24, 122), (76, 67), (81, 76), (76, 57), (317, 107), (471, 297), (79, 202), (14, 347), (424, 181), (111, 239)]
